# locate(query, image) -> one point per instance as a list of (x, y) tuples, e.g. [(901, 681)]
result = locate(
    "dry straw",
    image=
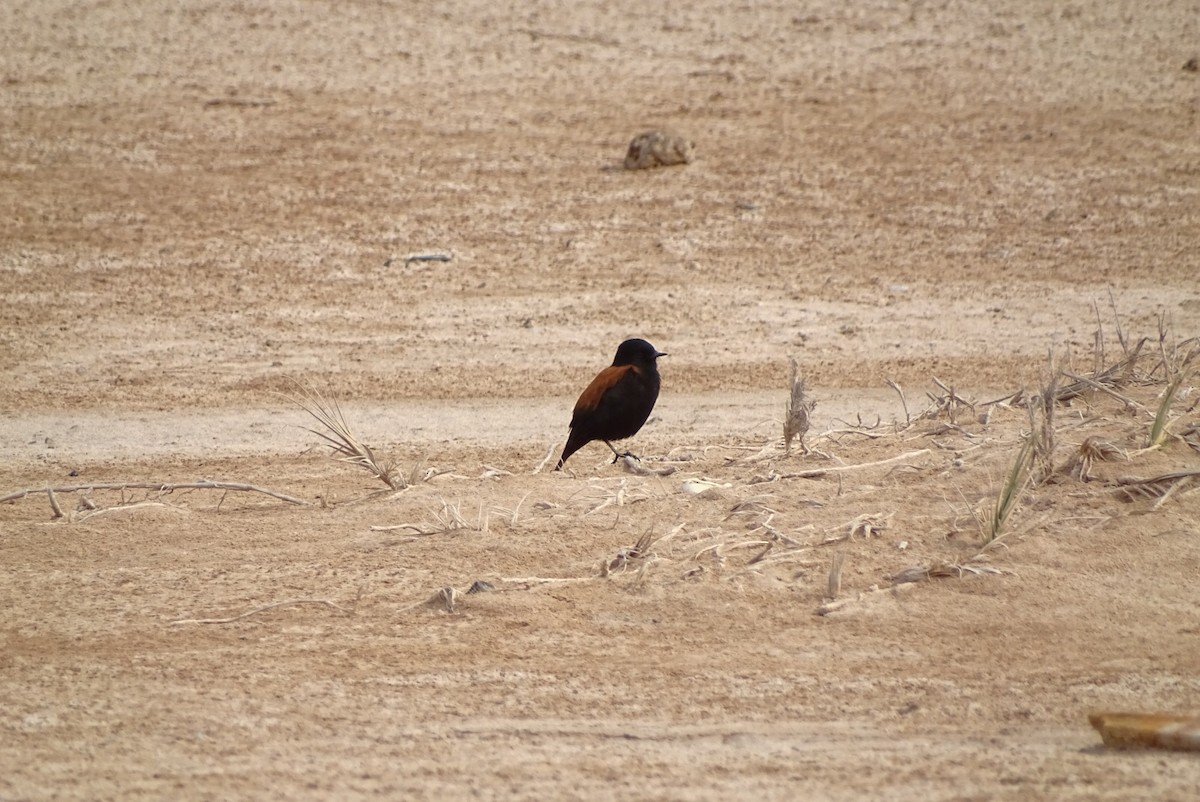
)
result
[(1015, 484), (338, 436)]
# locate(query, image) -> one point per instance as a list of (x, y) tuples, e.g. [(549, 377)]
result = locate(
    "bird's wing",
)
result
[(605, 380)]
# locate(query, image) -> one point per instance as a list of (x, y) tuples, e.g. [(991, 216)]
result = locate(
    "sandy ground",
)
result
[(203, 204)]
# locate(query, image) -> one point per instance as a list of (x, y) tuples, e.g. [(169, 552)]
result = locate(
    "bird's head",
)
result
[(636, 352)]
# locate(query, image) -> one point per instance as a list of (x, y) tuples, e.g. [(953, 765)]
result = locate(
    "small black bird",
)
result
[(618, 401)]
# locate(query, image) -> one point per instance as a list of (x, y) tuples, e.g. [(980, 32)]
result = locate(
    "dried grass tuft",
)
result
[(1162, 415), (447, 520), (867, 525), (1091, 451), (342, 440), (444, 598), (798, 415), (950, 404), (1015, 484), (1162, 487), (639, 551), (1041, 424), (1191, 437), (941, 569)]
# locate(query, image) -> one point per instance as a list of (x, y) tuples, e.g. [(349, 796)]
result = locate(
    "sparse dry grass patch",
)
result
[(338, 435), (735, 514)]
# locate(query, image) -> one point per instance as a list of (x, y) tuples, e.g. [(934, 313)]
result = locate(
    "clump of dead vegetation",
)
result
[(798, 414), (346, 446), (154, 495), (761, 537), (1040, 457), (1162, 488), (336, 433)]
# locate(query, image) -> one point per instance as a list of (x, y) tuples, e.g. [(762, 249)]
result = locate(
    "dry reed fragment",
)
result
[(121, 508), (1162, 415), (1041, 424), (1161, 487), (874, 595), (1095, 384), (541, 466), (1017, 481), (448, 519), (903, 400), (162, 488), (817, 473), (58, 513)]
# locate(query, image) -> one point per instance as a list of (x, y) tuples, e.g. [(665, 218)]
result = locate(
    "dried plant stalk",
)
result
[(1162, 416), (950, 403), (1161, 487), (798, 415), (448, 519), (1015, 484), (341, 439), (1041, 424), (835, 573), (159, 487)]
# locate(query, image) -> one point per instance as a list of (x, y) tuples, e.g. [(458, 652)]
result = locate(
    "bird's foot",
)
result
[(617, 456)]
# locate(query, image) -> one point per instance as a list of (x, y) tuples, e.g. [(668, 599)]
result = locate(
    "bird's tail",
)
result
[(574, 443)]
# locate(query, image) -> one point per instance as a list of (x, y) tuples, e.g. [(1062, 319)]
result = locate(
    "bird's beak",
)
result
[(659, 353)]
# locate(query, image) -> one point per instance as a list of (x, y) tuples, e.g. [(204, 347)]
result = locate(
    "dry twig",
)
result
[(817, 473), (448, 519), (162, 488), (541, 466)]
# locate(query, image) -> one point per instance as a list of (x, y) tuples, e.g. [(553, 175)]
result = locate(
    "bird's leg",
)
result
[(618, 454)]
